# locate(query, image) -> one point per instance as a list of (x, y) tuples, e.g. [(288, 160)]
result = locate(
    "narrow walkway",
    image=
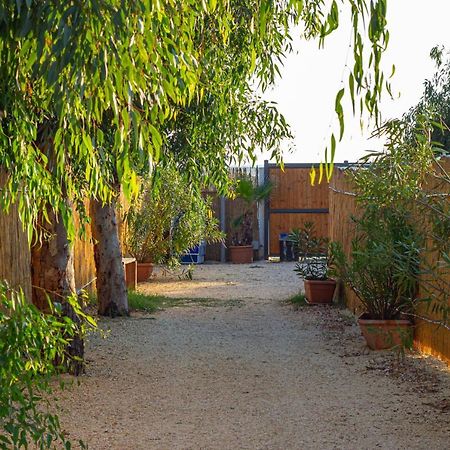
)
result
[(252, 373)]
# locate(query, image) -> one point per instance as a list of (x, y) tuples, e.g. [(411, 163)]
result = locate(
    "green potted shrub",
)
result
[(313, 264), (139, 234), (241, 248), (314, 270), (168, 219), (382, 271)]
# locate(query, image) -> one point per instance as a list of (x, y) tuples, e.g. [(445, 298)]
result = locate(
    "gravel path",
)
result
[(252, 373)]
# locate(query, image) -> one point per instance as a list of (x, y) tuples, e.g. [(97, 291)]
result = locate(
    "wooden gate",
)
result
[(293, 202)]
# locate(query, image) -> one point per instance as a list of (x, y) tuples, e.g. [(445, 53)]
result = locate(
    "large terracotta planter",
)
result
[(144, 270), (241, 254), (385, 334), (319, 291)]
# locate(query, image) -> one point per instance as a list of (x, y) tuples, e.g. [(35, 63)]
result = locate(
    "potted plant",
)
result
[(138, 237), (305, 243), (382, 271), (241, 248), (168, 219), (314, 269)]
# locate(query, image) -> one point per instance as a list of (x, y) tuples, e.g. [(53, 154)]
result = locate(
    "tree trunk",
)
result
[(111, 287), (53, 279)]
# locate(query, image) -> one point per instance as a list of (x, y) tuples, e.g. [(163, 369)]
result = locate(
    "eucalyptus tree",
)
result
[(225, 120), (65, 67), (134, 66), (75, 64), (112, 298)]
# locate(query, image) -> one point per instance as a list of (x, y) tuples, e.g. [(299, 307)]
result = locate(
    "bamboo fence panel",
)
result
[(430, 338), (83, 253), (15, 255), (342, 229), (285, 223), (293, 189), (14, 249)]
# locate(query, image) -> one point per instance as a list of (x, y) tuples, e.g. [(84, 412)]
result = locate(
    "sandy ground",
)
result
[(251, 373)]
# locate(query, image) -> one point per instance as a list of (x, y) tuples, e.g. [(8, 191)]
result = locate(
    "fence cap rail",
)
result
[(306, 165)]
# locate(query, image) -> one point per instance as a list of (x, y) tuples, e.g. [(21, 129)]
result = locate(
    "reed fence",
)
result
[(83, 253), (429, 338), (15, 255), (14, 249)]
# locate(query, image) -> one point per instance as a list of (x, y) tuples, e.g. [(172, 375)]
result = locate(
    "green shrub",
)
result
[(384, 262), (169, 218), (306, 243), (403, 226), (30, 344)]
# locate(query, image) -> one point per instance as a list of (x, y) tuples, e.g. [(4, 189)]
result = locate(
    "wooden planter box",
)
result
[(130, 268)]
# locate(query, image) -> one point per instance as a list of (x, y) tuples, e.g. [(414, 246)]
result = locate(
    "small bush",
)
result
[(169, 218), (30, 344), (306, 243), (383, 266)]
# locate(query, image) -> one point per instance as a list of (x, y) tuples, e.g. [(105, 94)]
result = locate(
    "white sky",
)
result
[(311, 78)]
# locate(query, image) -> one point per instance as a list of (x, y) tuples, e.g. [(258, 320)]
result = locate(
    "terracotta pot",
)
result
[(319, 291), (241, 254), (384, 334), (144, 270)]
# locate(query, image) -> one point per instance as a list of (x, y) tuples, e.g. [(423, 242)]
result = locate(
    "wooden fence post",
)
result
[(266, 212), (223, 227)]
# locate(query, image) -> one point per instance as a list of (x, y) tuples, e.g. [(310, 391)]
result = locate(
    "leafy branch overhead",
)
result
[(33, 349), (367, 80), (133, 66)]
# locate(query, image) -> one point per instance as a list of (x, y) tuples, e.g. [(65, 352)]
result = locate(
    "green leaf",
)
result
[(312, 175), (333, 147), (351, 85), (320, 173), (212, 5), (340, 112), (253, 61)]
